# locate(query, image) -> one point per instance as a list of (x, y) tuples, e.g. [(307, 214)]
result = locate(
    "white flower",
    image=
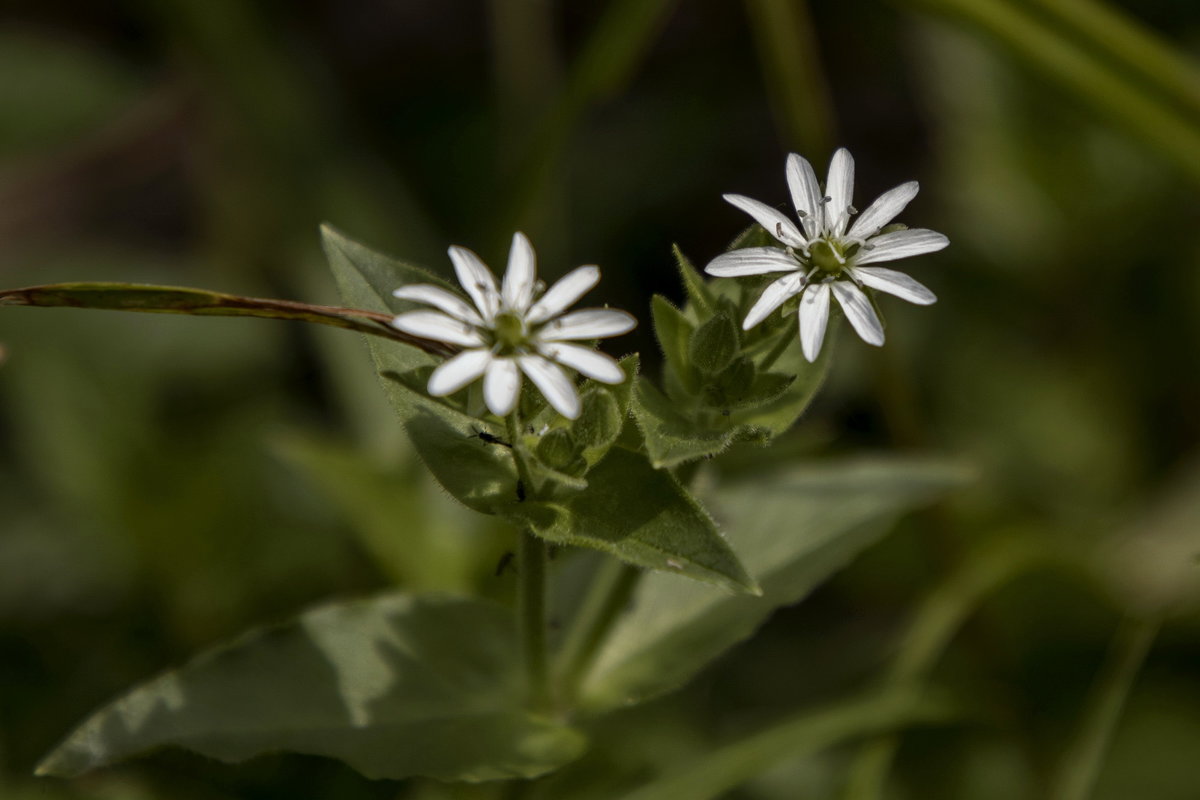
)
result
[(828, 255), (507, 332)]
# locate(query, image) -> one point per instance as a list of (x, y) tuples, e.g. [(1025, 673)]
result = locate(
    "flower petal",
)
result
[(840, 189), (772, 220), (520, 275), (584, 360), (501, 385), (751, 261), (460, 370), (894, 283), (588, 323), (438, 326), (563, 294), (900, 244), (806, 195), (772, 298), (884, 210), (440, 299), (814, 317), (477, 280), (859, 311), (553, 383)]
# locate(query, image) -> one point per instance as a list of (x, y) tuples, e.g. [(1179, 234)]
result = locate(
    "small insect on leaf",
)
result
[(488, 438)]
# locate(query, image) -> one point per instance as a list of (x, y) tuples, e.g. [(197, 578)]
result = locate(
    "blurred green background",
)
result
[(167, 482)]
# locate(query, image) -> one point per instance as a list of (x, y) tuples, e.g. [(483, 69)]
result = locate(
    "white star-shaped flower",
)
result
[(507, 333), (827, 254)]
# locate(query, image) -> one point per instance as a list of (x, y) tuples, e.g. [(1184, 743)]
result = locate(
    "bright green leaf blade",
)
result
[(395, 686), (200, 302), (804, 734), (794, 531), (644, 517), (673, 331)]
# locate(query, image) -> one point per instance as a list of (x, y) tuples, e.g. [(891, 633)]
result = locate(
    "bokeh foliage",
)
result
[(168, 482)]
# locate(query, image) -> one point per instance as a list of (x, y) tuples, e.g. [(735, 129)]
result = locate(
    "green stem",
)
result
[(531, 589), (607, 597), (1081, 763)]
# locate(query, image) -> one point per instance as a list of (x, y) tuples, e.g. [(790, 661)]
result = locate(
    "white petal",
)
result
[(806, 194), (900, 244), (460, 370), (591, 363), (553, 384), (840, 188), (858, 310), (894, 283), (589, 323), (814, 317), (501, 385), (563, 294), (520, 275), (884, 209), (438, 326), (478, 281), (441, 299), (772, 298), (774, 222), (751, 261)]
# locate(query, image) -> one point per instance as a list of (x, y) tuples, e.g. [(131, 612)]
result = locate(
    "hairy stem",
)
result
[(531, 589)]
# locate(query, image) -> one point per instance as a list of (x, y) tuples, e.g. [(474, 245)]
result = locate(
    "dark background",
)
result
[(165, 481)]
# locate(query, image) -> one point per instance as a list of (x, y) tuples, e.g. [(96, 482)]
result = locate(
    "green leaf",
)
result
[(671, 437), (714, 344), (394, 686), (801, 735), (200, 302), (645, 518), (674, 332), (699, 294), (794, 531)]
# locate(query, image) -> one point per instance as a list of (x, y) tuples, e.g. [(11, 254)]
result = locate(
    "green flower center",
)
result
[(826, 257), (510, 332)]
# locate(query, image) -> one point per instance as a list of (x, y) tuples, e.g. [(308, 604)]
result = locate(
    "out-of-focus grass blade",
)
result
[(1084, 73), (621, 38), (790, 56), (807, 733), (176, 300), (1138, 49)]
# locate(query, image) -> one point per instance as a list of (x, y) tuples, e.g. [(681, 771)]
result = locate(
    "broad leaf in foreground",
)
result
[(645, 518), (794, 530), (395, 686)]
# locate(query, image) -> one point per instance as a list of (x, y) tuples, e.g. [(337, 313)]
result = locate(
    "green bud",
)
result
[(599, 423), (714, 344), (557, 449)]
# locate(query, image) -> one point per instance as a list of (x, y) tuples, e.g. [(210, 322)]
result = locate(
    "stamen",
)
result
[(800, 212), (852, 209), (827, 199)]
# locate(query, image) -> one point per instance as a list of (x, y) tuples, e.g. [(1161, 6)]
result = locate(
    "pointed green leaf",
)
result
[(394, 686), (674, 332), (794, 530), (670, 437), (644, 517), (698, 292)]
